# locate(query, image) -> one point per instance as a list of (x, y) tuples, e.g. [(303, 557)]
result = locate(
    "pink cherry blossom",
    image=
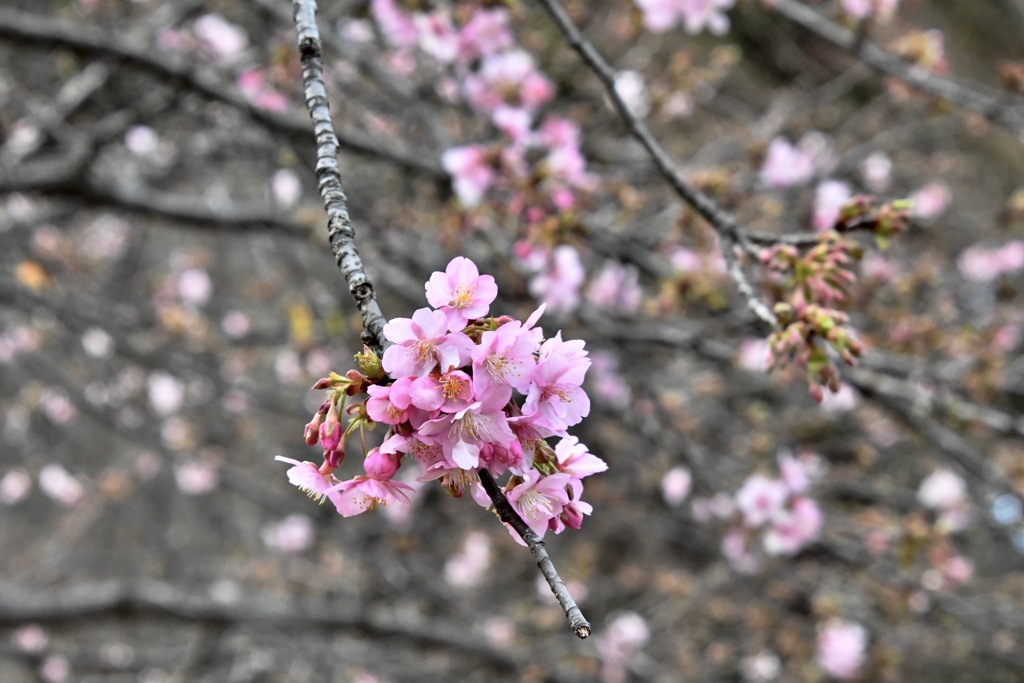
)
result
[(556, 395), (356, 496), (539, 498), (558, 285), (196, 477), (461, 292), (390, 404), (141, 140), (576, 460), (841, 648), (31, 638), (309, 479), (437, 36), (461, 435), (760, 499), (505, 355), (472, 172), (450, 392), (630, 86), (422, 343)]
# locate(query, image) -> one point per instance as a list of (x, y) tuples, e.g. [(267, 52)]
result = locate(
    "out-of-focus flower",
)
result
[(616, 287), (166, 393), (675, 485), (876, 170), (631, 88), (626, 633), (930, 202), (761, 668), (982, 265), (196, 477), (286, 187), (30, 638), (141, 140), (97, 342), (472, 173), (558, 286), (696, 15), (55, 669), (293, 534), (14, 486), (222, 38), (194, 286), (841, 648), (942, 490), (760, 498), (829, 198), (468, 567), (59, 484)]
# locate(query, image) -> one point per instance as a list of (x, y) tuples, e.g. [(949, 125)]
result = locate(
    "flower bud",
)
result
[(381, 466), (330, 435)]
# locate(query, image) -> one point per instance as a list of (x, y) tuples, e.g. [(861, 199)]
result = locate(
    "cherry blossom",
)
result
[(841, 648), (461, 292)]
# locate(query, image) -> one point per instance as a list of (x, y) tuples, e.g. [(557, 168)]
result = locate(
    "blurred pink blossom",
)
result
[(761, 668), (141, 140), (57, 483), (840, 401), (286, 187), (607, 382), (55, 669), (222, 38), (436, 35), (396, 26), (931, 201), (469, 565), (14, 486), (696, 15), (486, 33), (754, 355), (616, 287), (942, 490), (30, 638), (194, 286), (760, 499), (626, 633), (235, 324), (472, 172), (876, 170), (786, 165), (558, 286), (790, 531), (166, 393), (196, 477), (630, 86), (841, 648), (675, 485), (829, 198), (293, 534), (982, 265)]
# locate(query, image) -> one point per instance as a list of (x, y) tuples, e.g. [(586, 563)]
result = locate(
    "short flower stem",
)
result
[(577, 622)]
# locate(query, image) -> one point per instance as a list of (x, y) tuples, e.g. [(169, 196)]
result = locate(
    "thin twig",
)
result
[(1001, 107), (577, 622), (722, 222), (342, 237), (340, 231)]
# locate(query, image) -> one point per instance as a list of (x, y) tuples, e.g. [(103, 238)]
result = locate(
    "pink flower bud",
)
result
[(381, 466), (330, 435)]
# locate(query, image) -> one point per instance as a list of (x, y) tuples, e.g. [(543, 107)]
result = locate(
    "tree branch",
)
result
[(1003, 108), (342, 237), (577, 622), (722, 222)]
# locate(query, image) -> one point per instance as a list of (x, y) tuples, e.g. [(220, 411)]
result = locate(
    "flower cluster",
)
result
[(816, 280), (447, 387), (771, 516)]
